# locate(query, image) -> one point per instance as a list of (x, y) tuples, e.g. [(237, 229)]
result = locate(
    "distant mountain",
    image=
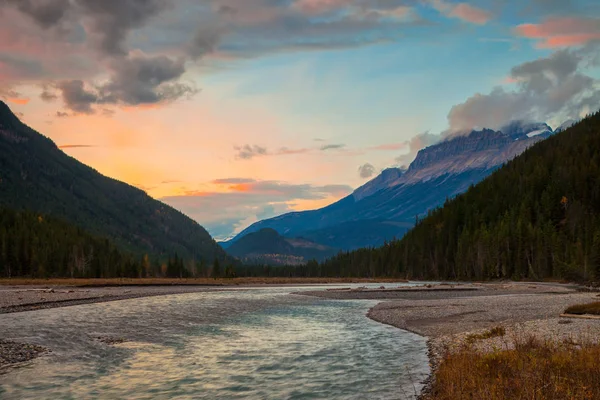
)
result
[(36, 175), (387, 206), (536, 218), (269, 247), (565, 125)]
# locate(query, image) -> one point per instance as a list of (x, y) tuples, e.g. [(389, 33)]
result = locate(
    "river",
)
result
[(262, 343)]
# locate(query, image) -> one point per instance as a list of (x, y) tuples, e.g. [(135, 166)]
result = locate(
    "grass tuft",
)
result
[(494, 332), (582, 309), (534, 369)]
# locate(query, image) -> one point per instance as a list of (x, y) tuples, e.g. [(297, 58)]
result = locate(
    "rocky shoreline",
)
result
[(449, 316), (27, 298), (14, 353)]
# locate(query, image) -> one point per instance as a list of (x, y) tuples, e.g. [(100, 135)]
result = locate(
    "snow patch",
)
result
[(538, 132)]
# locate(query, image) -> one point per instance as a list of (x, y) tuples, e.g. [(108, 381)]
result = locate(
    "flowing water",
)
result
[(257, 344)]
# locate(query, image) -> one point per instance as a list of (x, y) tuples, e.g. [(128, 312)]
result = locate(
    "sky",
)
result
[(234, 111)]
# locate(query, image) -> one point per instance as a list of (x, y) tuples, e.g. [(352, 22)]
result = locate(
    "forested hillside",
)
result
[(537, 217), (40, 246), (35, 245), (36, 175)]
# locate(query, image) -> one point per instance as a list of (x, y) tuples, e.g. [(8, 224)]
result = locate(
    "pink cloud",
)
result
[(470, 14), (315, 7), (561, 32), (462, 11)]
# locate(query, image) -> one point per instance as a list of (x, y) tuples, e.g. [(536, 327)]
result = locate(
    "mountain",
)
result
[(567, 124), (387, 206), (269, 247), (36, 175), (537, 217)]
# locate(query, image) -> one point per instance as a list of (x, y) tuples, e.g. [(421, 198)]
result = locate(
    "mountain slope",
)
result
[(537, 217), (36, 175), (34, 245), (387, 206), (269, 247)]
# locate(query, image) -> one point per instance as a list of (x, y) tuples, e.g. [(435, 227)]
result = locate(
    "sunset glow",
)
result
[(235, 111)]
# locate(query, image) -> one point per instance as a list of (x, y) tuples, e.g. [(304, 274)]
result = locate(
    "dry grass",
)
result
[(581, 309), (532, 370), (494, 332), (195, 281)]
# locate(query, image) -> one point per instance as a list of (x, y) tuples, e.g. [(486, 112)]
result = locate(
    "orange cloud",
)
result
[(561, 32), (242, 187), (18, 100)]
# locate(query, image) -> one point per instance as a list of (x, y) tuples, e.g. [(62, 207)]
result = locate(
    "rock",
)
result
[(110, 340)]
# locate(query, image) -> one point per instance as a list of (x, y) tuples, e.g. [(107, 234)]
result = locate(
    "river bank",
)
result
[(452, 316)]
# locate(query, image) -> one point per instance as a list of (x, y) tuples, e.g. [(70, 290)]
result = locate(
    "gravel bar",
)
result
[(27, 298), (13, 353)]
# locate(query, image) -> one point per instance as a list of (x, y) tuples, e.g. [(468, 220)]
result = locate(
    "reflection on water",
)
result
[(263, 344)]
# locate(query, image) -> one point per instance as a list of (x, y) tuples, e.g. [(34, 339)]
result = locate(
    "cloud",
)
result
[(61, 114), (12, 96), (146, 80), (76, 97), (135, 80), (462, 11), (552, 87), (332, 147), (248, 152), (415, 144), (46, 13), (137, 52), (280, 191), (366, 170), (47, 94), (229, 181), (205, 41), (20, 66), (247, 201), (562, 31), (316, 7), (111, 21)]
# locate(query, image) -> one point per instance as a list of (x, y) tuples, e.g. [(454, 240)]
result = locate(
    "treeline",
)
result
[(34, 245), (536, 217)]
